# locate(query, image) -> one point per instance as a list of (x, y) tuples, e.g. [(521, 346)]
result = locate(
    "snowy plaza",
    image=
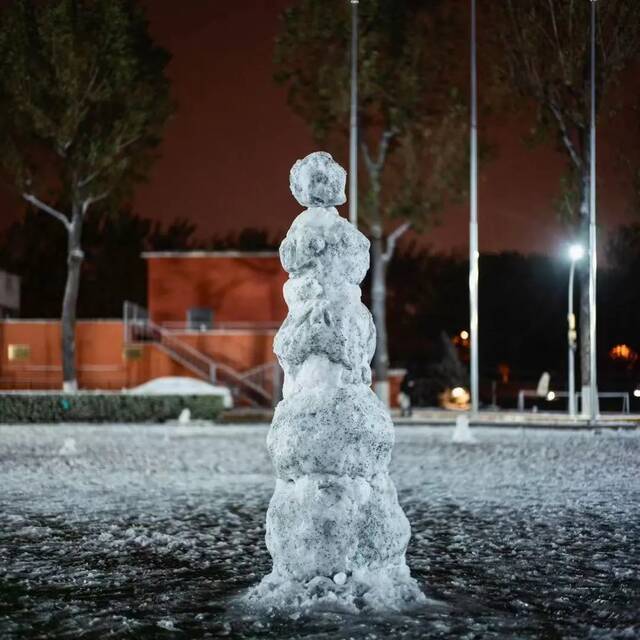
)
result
[(319, 320), (154, 531)]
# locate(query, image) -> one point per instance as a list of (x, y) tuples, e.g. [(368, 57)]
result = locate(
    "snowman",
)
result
[(335, 530)]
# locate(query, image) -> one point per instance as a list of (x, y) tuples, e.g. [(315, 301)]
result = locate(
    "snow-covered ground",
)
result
[(151, 531)]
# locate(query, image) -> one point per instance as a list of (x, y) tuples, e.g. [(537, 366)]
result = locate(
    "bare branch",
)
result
[(127, 143), (93, 175), (31, 199), (92, 81), (369, 163), (93, 199), (384, 148), (566, 138), (393, 238), (375, 167), (558, 45)]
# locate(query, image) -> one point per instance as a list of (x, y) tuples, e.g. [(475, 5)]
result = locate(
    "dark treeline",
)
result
[(523, 299), (113, 270), (523, 312)]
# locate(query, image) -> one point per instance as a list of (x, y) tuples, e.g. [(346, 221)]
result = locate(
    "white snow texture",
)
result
[(335, 530)]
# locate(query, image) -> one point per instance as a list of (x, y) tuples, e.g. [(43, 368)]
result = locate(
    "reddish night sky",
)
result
[(227, 152)]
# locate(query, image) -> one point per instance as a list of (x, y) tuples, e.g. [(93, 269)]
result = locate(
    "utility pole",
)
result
[(353, 129), (473, 223), (593, 257)]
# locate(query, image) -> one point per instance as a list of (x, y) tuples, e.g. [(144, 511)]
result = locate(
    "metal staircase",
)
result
[(260, 386)]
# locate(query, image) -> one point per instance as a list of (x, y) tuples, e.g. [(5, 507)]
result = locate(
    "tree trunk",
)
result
[(379, 258), (583, 279), (379, 312), (69, 303)]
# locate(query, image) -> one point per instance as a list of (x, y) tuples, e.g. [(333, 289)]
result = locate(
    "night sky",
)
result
[(227, 151)]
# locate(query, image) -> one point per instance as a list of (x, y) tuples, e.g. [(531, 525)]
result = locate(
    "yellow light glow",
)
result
[(623, 352), (464, 335), (551, 396), (457, 392)]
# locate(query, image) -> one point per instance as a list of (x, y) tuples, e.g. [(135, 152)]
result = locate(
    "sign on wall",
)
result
[(18, 352)]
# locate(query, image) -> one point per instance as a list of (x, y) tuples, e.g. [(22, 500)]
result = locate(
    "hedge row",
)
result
[(103, 407)]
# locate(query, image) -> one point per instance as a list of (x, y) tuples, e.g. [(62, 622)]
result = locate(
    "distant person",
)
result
[(404, 396)]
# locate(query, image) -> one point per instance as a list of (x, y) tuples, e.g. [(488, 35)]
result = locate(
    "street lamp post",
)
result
[(593, 361), (353, 128), (576, 252), (473, 220)]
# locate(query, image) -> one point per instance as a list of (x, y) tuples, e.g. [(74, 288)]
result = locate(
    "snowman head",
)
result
[(318, 181)]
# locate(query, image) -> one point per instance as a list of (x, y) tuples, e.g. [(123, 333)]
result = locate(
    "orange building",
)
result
[(239, 288), (212, 315)]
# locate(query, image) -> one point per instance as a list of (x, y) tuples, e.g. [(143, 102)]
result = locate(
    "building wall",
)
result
[(239, 287), (100, 354), (99, 345)]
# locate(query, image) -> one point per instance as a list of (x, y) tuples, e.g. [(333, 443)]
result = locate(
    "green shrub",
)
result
[(104, 407)]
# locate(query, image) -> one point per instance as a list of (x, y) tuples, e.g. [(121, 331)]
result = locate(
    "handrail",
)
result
[(225, 325), (184, 353), (261, 368)]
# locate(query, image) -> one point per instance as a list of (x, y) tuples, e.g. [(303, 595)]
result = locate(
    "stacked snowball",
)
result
[(335, 530)]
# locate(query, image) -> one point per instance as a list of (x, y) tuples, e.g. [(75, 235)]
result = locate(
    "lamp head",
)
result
[(576, 252)]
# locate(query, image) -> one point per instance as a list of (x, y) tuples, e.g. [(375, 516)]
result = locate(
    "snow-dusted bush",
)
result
[(23, 407)]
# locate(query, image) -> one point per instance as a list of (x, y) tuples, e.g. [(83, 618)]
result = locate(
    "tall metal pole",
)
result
[(593, 386), (571, 339), (473, 223), (353, 137)]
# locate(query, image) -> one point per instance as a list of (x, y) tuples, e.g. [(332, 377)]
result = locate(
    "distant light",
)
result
[(551, 396), (457, 392), (623, 352), (464, 335), (576, 252), (636, 393)]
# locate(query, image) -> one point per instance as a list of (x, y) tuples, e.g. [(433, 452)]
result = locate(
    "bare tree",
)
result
[(547, 58)]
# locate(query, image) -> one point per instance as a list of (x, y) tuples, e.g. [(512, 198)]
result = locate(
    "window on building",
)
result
[(200, 319)]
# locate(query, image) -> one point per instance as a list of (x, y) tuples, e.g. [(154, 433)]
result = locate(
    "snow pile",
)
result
[(335, 530), (462, 434), (176, 385), (68, 448)]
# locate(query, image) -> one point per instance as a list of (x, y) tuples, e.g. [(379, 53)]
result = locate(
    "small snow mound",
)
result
[(462, 434), (185, 417), (167, 624), (183, 386), (69, 448)]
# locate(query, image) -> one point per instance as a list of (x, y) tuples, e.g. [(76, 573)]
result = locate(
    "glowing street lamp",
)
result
[(576, 253)]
